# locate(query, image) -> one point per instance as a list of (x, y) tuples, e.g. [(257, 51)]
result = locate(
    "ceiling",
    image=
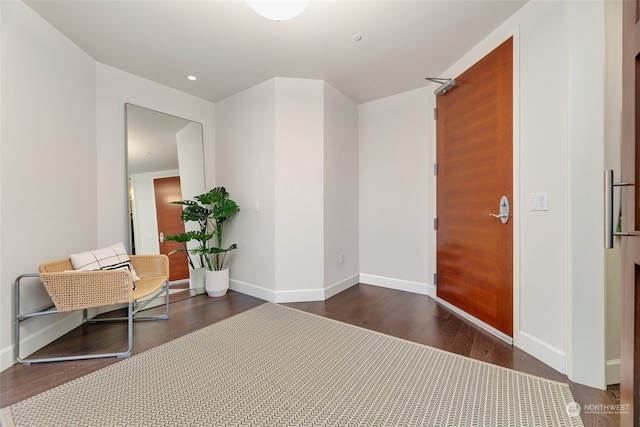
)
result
[(151, 140), (229, 47)]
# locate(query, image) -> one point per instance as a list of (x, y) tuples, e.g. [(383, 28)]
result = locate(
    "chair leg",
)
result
[(129, 330), (18, 317), (163, 316)]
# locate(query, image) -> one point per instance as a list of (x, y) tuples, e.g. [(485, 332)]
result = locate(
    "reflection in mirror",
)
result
[(165, 163)]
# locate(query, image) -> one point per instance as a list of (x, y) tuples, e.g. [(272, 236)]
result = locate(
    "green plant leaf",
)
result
[(182, 237), (195, 212), (209, 210), (224, 209), (214, 250), (213, 196)]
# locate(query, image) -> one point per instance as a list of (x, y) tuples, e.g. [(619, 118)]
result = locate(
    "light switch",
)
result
[(256, 205), (539, 201)]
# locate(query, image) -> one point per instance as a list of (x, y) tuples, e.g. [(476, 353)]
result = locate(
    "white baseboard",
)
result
[(542, 351), (431, 291), (6, 357), (40, 338), (612, 374), (295, 295), (299, 295), (340, 286), (398, 284), (252, 290)]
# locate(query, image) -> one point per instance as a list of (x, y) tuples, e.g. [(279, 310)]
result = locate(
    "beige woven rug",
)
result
[(276, 366)]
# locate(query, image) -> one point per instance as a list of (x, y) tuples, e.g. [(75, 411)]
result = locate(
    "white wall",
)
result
[(341, 190), (586, 89), (299, 181), (48, 159), (190, 160), (287, 145), (542, 306), (191, 169), (245, 166), (397, 196)]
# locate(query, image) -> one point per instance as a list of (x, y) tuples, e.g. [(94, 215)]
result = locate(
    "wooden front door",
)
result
[(630, 333), (475, 169), (168, 190)]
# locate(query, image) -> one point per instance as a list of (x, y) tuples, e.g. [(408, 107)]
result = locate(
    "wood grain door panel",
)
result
[(168, 190), (475, 169)]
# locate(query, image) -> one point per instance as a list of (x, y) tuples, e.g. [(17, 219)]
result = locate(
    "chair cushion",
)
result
[(147, 286), (109, 258)]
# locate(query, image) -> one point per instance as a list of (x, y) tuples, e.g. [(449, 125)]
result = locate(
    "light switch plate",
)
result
[(539, 201)]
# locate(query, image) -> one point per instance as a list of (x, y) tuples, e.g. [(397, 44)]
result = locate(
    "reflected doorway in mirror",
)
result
[(166, 191)]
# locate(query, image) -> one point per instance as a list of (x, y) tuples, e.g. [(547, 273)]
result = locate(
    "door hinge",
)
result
[(435, 223), (435, 169), (435, 279), (435, 114)]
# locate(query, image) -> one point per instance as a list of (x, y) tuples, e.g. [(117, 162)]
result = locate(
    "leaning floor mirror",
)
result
[(165, 163)]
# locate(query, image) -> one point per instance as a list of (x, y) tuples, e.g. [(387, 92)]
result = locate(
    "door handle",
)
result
[(161, 237), (608, 211), (504, 210)]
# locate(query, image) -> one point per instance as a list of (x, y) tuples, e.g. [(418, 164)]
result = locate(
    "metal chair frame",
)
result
[(133, 308)]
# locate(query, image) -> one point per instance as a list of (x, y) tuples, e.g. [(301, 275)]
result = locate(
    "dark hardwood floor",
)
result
[(409, 316)]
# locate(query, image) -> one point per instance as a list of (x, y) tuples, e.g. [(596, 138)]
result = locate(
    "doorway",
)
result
[(474, 185), (168, 190)]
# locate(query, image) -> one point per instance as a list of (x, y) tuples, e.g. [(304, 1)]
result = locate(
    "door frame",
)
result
[(565, 356)]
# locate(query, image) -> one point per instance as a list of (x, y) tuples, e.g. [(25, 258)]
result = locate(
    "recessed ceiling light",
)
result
[(192, 78), (356, 37)]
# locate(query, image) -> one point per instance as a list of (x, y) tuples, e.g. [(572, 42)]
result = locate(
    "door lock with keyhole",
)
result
[(504, 210)]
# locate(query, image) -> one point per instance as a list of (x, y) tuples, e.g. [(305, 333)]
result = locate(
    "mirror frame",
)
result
[(192, 159)]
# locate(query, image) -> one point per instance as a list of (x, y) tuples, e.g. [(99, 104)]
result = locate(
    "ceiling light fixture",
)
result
[(192, 78), (278, 10)]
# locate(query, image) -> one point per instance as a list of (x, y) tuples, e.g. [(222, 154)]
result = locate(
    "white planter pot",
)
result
[(217, 282), (197, 278)]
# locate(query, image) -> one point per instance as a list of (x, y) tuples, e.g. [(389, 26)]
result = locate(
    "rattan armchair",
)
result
[(81, 290)]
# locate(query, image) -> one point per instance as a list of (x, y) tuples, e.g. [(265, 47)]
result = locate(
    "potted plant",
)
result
[(193, 212), (210, 210)]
